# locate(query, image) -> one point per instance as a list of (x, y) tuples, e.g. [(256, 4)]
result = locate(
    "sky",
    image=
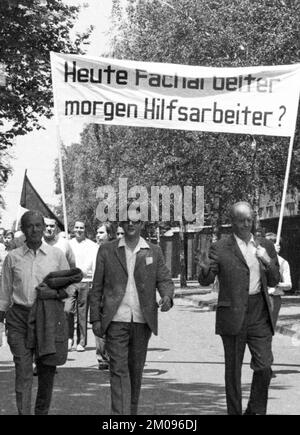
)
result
[(38, 150)]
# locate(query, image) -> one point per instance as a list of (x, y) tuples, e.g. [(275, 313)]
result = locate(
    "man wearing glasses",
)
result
[(123, 307)]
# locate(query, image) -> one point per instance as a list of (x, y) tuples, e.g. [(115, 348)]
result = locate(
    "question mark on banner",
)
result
[(283, 113)]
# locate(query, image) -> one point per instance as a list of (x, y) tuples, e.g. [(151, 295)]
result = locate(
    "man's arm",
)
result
[(286, 283), (164, 283), (6, 287), (97, 292), (209, 269)]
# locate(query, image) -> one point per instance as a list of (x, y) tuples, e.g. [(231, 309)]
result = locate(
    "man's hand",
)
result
[(165, 303), (97, 328), (211, 263), (44, 292), (262, 255)]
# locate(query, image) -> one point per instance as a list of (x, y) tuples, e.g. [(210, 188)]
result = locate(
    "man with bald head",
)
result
[(245, 267)]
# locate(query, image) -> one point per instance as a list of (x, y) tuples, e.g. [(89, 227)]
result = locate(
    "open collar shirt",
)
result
[(23, 270), (130, 309), (249, 253)]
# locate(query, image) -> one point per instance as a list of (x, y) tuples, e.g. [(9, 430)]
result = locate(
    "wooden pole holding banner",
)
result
[(285, 185), (62, 183)]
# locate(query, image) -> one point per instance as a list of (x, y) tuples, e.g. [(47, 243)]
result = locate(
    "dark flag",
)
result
[(31, 200)]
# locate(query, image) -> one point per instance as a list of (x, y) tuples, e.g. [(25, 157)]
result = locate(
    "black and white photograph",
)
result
[(149, 210)]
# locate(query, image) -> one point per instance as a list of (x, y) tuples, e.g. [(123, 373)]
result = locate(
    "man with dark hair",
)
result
[(245, 268), (23, 271), (51, 237), (123, 308)]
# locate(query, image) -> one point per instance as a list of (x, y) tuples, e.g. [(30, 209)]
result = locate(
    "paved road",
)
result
[(184, 373)]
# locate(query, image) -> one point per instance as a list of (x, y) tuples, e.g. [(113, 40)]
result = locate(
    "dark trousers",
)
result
[(16, 323), (257, 334), (80, 308), (126, 344)]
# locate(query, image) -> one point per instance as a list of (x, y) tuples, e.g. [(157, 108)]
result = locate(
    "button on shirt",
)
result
[(249, 253), (130, 309), (24, 269)]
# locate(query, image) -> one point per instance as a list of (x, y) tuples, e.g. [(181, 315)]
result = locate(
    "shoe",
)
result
[(103, 365), (70, 344), (80, 348), (249, 412)]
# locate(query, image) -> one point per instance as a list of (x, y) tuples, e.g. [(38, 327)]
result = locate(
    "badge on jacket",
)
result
[(149, 260)]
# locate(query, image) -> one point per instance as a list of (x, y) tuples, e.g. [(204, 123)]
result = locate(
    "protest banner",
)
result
[(254, 100), (258, 100)]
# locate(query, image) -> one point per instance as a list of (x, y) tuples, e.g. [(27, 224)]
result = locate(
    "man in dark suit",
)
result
[(245, 268), (123, 307)]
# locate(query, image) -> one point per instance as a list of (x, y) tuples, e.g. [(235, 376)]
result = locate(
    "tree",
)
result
[(29, 30), (194, 32), (216, 33)]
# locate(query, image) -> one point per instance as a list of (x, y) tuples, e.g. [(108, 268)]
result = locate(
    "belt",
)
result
[(21, 307), (255, 294)]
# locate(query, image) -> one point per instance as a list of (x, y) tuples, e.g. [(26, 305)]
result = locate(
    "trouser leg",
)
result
[(71, 319), (259, 391), (45, 387), (82, 314), (259, 339), (70, 310), (138, 345), (117, 341), (234, 348), (16, 322)]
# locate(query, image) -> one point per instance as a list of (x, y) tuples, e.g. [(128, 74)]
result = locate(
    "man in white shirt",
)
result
[(124, 309), (52, 238), (24, 269), (84, 251), (285, 283)]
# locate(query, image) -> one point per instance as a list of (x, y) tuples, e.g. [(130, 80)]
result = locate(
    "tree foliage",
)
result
[(208, 33), (29, 30)]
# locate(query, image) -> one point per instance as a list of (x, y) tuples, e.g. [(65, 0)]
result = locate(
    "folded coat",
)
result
[(47, 325)]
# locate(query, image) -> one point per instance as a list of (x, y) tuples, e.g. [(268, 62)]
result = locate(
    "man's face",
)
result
[(242, 221), (132, 228), (50, 228), (33, 229), (101, 234), (120, 232), (79, 231), (7, 240)]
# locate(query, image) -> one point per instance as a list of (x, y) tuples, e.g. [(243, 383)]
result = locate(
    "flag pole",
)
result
[(285, 185), (19, 205), (61, 174)]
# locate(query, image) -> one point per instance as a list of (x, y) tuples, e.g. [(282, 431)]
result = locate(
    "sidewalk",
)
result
[(203, 297)]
